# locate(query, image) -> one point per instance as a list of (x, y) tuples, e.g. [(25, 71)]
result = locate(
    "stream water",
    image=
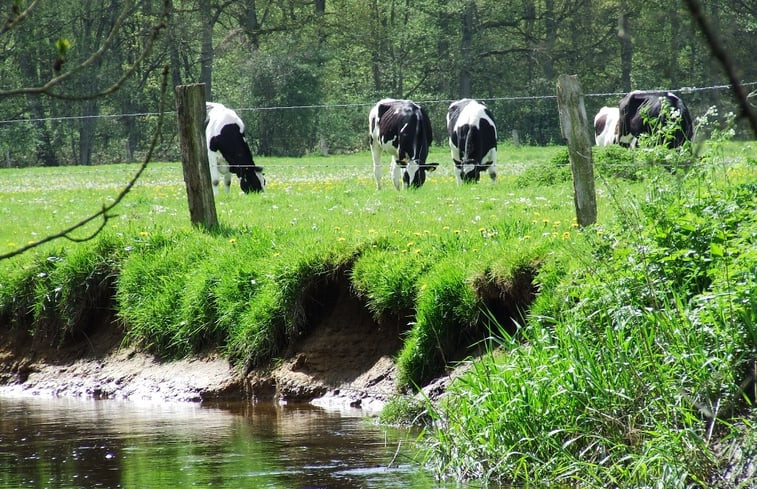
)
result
[(75, 443)]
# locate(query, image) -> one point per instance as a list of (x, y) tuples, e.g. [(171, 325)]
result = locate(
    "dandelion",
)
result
[(574, 225), (527, 236), (144, 233), (556, 224), (417, 251), (411, 244), (277, 254), (371, 231), (445, 228), (423, 286), (545, 221), (233, 240), (566, 235), (456, 231), (341, 238)]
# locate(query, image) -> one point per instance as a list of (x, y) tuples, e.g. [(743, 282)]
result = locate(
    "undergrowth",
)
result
[(636, 362)]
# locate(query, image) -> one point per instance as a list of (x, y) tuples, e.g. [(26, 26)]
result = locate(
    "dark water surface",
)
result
[(75, 443)]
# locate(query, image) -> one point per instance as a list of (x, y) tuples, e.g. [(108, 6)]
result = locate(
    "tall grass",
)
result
[(635, 362)]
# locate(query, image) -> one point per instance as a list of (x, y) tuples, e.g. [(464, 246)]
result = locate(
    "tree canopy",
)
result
[(304, 73)]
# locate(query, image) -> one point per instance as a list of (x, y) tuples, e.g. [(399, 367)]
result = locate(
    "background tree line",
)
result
[(341, 56)]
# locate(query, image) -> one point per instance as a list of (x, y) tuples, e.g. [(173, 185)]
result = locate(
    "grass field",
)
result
[(637, 333)]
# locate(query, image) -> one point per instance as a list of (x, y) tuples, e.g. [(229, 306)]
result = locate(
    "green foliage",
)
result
[(626, 381), (553, 172), (447, 313)]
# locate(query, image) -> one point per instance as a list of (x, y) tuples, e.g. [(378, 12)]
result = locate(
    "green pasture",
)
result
[(632, 336)]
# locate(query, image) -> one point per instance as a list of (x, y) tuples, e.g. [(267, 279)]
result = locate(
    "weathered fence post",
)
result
[(190, 109), (575, 128)]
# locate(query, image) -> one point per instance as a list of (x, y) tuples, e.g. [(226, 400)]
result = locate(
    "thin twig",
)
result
[(722, 56), (104, 213)]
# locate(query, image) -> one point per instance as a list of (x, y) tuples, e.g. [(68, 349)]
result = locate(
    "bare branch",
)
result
[(13, 21), (47, 88), (105, 213), (725, 60)]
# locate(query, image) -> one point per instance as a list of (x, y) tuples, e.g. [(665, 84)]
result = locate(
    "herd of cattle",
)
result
[(403, 129)]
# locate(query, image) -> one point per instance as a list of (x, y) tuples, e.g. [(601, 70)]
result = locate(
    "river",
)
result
[(78, 443)]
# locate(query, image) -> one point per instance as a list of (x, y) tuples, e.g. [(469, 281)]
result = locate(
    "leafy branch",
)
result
[(105, 213)]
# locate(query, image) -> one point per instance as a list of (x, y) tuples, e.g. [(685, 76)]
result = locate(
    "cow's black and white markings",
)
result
[(606, 126), (472, 140), (403, 129), (224, 134), (660, 114)]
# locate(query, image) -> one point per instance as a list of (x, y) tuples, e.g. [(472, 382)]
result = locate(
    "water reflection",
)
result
[(68, 443)]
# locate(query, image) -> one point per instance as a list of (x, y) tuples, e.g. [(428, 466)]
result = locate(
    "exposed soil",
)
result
[(343, 358)]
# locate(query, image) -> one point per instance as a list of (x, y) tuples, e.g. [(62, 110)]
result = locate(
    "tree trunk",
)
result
[(87, 129), (550, 30), (206, 48), (626, 46), (466, 49)]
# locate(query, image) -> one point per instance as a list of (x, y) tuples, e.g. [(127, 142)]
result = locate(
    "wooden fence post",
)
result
[(575, 128), (190, 109)]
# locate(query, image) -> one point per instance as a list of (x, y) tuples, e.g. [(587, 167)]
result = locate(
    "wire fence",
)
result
[(296, 130)]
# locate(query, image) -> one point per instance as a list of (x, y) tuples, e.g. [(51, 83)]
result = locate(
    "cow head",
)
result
[(414, 173), (470, 170), (251, 179)]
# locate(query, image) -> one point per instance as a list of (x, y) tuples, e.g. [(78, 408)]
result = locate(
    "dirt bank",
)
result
[(345, 358)]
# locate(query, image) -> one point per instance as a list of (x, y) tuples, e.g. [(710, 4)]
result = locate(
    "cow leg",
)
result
[(213, 166), (376, 155), (458, 170), (396, 174), (227, 182), (492, 171)]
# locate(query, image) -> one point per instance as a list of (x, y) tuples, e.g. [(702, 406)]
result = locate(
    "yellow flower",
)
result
[(372, 231), (233, 240), (526, 236), (144, 233), (566, 235), (277, 254), (341, 238), (411, 244), (445, 228), (417, 251)]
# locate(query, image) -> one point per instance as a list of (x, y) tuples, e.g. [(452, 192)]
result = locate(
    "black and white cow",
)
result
[(661, 114), (472, 140), (606, 126), (402, 128), (224, 134)]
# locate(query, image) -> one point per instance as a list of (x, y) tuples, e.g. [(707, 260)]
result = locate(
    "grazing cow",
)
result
[(661, 114), (224, 134), (402, 128), (472, 140), (606, 126)]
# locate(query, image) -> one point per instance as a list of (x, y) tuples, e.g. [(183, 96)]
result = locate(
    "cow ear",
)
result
[(212, 144), (430, 166), (257, 168), (381, 109)]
